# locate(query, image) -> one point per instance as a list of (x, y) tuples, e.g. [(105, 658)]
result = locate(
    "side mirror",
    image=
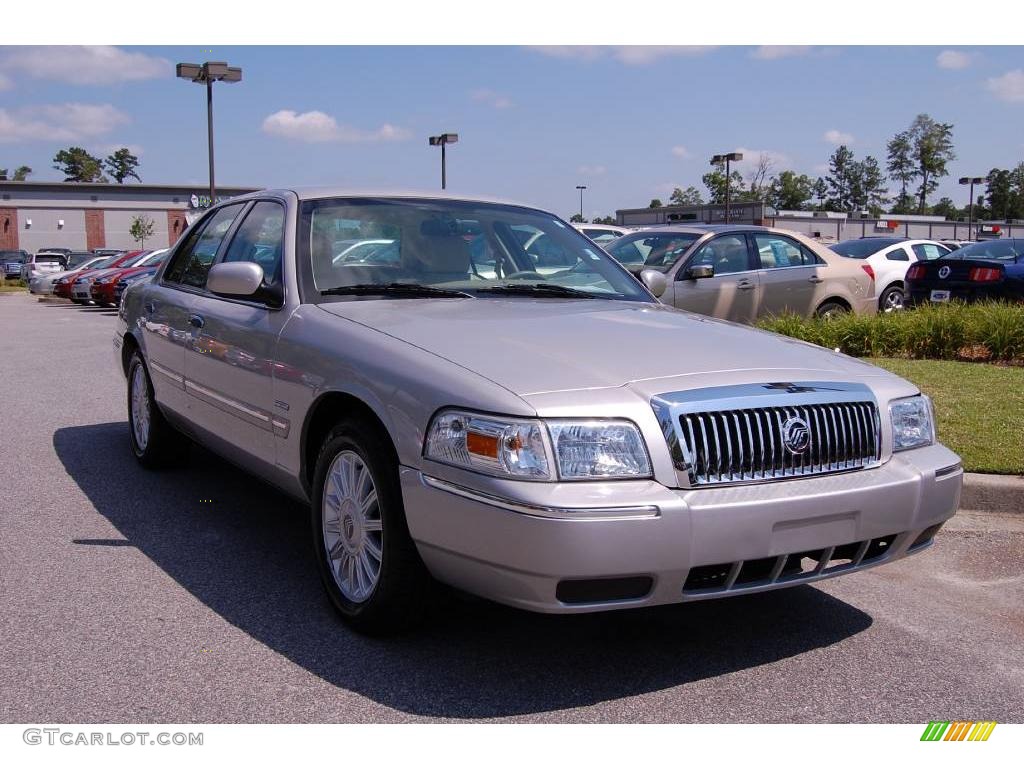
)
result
[(700, 271), (235, 279), (655, 281)]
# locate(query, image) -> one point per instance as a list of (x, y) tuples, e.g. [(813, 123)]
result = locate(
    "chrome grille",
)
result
[(746, 433)]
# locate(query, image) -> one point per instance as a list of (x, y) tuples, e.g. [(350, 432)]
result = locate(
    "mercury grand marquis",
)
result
[(537, 431)]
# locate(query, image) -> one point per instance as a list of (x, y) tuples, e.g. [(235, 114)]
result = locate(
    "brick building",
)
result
[(36, 215)]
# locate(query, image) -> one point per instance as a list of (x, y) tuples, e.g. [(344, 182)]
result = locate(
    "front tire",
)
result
[(154, 442), (367, 560)]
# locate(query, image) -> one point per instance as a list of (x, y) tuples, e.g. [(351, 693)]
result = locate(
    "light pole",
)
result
[(581, 187), (718, 160), (443, 140), (208, 73), (972, 180)]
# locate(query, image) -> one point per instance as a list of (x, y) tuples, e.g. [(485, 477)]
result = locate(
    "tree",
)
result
[(932, 148), (605, 220), (820, 191), (688, 196), (656, 203), (902, 169), (577, 219), (867, 186), (789, 192), (758, 181), (946, 208), (122, 164), (20, 174), (1004, 194), (715, 182), (78, 165), (840, 179), (141, 227)]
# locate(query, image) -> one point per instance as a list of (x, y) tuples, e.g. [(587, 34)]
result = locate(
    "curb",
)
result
[(993, 493)]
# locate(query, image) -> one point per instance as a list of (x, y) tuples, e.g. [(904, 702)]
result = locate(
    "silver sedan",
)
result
[(546, 435)]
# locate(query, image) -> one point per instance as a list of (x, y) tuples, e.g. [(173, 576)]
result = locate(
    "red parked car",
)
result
[(80, 285), (103, 287), (62, 285)]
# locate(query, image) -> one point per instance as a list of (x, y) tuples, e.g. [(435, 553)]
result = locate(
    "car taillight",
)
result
[(916, 272), (984, 274), (867, 268)]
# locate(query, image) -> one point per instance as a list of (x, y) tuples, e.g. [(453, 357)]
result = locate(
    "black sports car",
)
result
[(990, 269)]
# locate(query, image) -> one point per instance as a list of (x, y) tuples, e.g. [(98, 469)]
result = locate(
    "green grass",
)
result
[(951, 331), (979, 409), (11, 286)]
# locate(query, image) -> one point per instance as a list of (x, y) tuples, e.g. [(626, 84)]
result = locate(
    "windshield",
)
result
[(652, 251), (153, 259), (996, 250), (13, 257), (77, 259), (477, 249), (861, 249), (105, 262)]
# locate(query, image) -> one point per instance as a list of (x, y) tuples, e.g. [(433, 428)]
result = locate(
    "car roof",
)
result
[(703, 229), (317, 192)]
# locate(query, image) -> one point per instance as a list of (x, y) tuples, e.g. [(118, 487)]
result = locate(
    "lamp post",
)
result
[(581, 187), (971, 180), (443, 140), (718, 160), (208, 73)]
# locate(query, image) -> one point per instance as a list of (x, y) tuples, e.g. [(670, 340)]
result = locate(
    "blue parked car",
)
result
[(987, 270)]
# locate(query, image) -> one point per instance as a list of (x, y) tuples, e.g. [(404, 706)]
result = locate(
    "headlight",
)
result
[(912, 423), (534, 449)]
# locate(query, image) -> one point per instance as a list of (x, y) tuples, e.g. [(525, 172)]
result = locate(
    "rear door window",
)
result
[(928, 251)]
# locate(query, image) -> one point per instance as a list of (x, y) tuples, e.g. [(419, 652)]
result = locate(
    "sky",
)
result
[(629, 122)]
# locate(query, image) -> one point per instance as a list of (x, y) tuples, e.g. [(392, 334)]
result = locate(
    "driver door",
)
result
[(732, 293)]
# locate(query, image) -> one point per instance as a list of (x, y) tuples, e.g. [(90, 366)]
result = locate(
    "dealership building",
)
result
[(80, 216), (822, 225)]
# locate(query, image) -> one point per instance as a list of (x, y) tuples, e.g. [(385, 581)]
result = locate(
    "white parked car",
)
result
[(44, 262), (42, 283), (602, 233), (889, 258)]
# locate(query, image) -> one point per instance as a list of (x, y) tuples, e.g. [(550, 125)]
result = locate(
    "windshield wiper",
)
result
[(537, 289), (400, 290)]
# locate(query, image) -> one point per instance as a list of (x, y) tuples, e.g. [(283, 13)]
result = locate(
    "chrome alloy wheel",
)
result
[(140, 408), (352, 526), (893, 301)]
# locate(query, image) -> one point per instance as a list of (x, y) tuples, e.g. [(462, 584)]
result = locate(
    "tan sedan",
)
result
[(741, 272)]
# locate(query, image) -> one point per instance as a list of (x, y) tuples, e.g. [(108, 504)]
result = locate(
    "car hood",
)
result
[(535, 346)]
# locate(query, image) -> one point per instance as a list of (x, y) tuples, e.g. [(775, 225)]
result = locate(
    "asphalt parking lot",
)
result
[(189, 595)]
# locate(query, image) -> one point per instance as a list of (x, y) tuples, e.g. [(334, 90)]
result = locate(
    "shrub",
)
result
[(990, 331)]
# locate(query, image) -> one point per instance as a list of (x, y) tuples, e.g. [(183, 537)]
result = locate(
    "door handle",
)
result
[(815, 279), (744, 285), (196, 321)]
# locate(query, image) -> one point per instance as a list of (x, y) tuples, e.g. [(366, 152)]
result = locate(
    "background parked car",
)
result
[(602, 233), (102, 289), (889, 258), (10, 264), (991, 269), (42, 262), (741, 272), (65, 287), (107, 251), (44, 283)]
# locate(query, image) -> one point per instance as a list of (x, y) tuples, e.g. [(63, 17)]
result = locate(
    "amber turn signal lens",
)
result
[(482, 445)]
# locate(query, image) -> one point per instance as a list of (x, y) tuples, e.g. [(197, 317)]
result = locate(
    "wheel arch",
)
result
[(324, 413), (128, 345)]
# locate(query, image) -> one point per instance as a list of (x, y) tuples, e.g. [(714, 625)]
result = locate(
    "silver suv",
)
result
[(553, 439)]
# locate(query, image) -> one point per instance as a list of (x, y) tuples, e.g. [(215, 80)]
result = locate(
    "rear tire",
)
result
[(367, 560), (830, 309), (154, 442), (891, 299)]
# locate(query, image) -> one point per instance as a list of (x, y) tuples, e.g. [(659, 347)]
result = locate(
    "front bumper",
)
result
[(82, 292), (651, 545)]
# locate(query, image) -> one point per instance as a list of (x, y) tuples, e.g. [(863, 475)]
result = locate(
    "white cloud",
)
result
[(1008, 87), (59, 122), (316, 126), (953, 60), (632, 55), (487, 96), (680, 151), (837, 137), (771, 52), (592, 170), (84, 64)]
